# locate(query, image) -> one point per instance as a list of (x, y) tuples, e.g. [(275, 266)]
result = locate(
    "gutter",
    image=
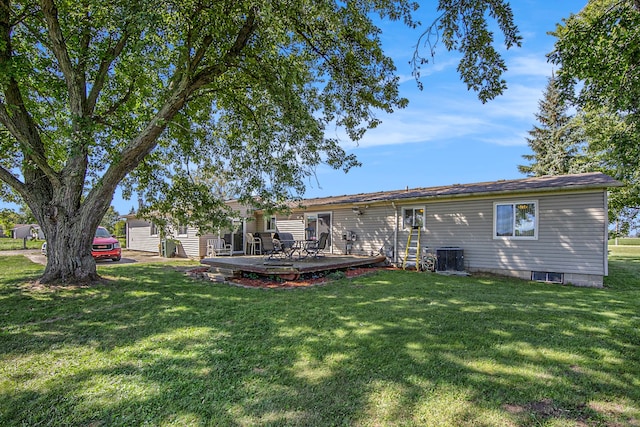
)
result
[(573, 189)]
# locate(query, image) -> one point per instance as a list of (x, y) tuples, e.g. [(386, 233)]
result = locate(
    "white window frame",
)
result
[(153, 228), (184, 228), (270, 221), (514, 203), (405, 226)]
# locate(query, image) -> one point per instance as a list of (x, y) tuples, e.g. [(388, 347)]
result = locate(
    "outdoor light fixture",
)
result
[(356, 210)]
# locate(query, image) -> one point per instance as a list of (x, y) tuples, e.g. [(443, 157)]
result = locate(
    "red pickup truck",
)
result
[(104, 246)]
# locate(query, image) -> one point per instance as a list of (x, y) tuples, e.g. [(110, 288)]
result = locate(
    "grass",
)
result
[(154, 347), (625, 241), (8, 244)]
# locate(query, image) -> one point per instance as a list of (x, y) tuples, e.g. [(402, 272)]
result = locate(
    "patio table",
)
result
[(291, 247)]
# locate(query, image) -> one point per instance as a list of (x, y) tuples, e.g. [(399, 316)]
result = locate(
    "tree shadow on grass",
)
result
[(396, 348)]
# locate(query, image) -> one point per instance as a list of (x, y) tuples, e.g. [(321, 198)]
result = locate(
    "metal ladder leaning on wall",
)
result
[(412, 250)]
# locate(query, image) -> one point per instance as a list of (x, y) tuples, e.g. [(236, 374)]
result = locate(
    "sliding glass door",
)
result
[(317, 223)]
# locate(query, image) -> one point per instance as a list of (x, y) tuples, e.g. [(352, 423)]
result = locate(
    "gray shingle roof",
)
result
[(593, 180)]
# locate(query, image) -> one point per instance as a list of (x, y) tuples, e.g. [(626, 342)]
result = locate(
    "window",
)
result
[(270, 223), (517, 220), (154, 230), (413, 218), (544, 276), (183, 230)]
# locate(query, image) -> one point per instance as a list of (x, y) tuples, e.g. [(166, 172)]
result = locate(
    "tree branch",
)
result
[(74, 81), (101, 75), (85, 42), (32, 150), (17, 120), (200, 53), (13, 182), (208, 74), (102, 118), (147, 140)]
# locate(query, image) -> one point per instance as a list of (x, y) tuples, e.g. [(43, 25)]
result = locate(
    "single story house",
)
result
[(551, 228), (30, 231)]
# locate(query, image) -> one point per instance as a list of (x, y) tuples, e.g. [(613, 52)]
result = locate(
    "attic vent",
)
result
[(547, 277)]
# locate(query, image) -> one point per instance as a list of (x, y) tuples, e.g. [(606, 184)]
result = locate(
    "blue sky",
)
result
[(446, 135)]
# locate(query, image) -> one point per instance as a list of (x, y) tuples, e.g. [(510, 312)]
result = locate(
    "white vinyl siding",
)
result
[(374, 229), (139, 236), (293, 226), (570, 235), (189, 242)]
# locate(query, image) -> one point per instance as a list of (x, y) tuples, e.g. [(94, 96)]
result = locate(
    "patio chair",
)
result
[(254, 244), (288, 244), (271, 247), (316, 249), (217, 247)]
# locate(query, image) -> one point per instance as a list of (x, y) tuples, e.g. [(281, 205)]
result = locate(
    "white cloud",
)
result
[(529, 65), (410, 127), (445, 111), (503, 121), (518, 102)]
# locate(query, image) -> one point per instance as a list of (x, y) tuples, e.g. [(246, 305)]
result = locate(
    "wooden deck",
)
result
[(288, 269)]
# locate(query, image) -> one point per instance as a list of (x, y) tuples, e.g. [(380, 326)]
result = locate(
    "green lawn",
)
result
[(8, 244), (154, 347), (625, 241)]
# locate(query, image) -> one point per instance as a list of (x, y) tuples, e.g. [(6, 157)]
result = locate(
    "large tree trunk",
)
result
[(69, 230), (69, 258)]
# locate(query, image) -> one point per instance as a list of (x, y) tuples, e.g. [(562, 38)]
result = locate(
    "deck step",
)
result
[(222, 272)]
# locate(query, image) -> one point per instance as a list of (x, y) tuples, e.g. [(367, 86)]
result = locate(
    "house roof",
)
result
[(18, 226), (575, 182)]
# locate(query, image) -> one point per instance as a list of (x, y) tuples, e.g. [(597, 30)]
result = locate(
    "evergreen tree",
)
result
[(557, 142)]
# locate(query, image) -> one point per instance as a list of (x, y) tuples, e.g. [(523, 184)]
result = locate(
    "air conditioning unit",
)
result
[(450, 259)]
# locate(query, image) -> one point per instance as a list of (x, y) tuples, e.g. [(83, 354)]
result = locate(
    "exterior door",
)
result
[(318, 223)]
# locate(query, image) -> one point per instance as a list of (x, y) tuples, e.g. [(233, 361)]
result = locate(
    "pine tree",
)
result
[(557, 142)]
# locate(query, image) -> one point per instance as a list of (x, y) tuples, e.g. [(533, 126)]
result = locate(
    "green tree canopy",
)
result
[(8, 219), (139, 93), (110, 218), (598, 51)]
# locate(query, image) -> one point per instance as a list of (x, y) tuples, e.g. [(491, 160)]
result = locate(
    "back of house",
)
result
[(551, 228)]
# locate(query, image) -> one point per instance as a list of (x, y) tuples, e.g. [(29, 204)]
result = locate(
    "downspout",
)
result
[(244, 235), (395, 233)]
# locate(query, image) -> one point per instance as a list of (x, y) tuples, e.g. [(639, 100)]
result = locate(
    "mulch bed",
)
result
[(307, 280)]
